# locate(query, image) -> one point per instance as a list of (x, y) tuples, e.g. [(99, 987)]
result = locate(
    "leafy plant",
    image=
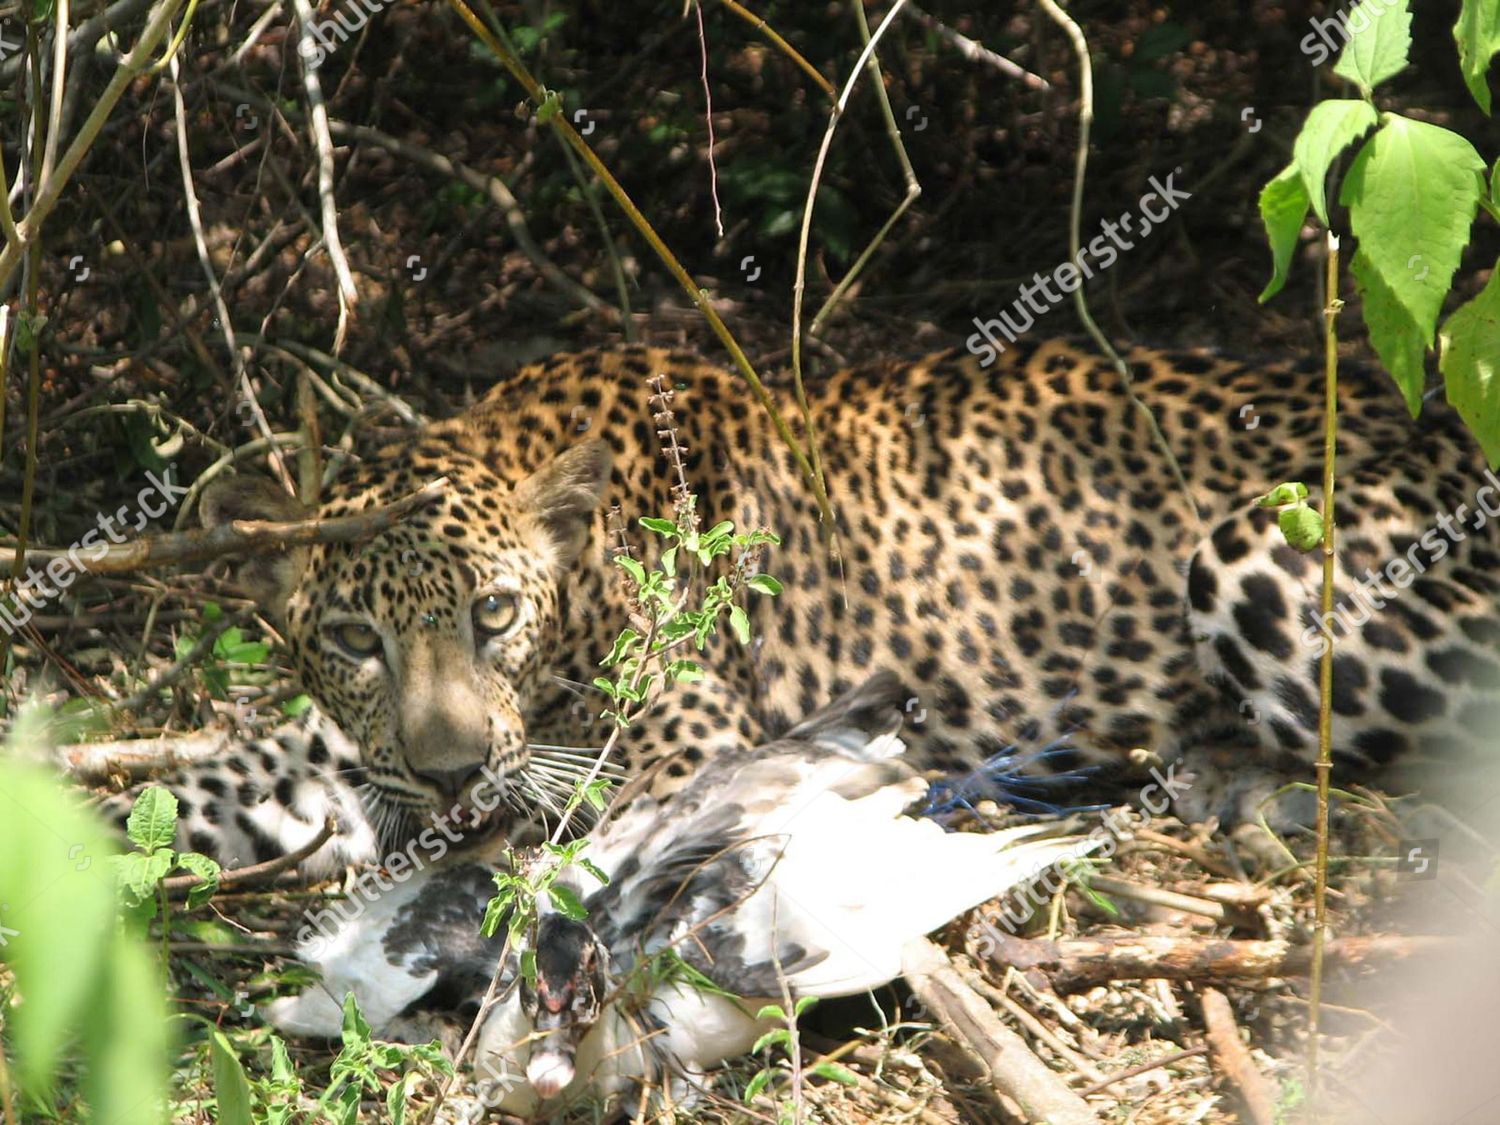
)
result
[(1412, 192), (230, 657), (786, 1038), (81, 978), (152, 828)]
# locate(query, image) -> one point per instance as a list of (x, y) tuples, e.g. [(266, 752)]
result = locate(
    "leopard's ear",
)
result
[(562, 496), (268, 578)]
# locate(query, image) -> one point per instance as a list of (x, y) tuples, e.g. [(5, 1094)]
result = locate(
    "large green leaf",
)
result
[(153, 819), (57, 913), (1469, 356), (231, 1087), (1411, 193), (1478, 35), (1379, 42), (1329, 128), (1397, 338), (1283, 209), (126, 1039)]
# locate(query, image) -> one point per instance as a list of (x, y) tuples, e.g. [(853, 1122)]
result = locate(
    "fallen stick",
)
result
[(1077, 963), (97, 762), (1013, 1070), (233, 537), (1233, 1057), (255, 872)]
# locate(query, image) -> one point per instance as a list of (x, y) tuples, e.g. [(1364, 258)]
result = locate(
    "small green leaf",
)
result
[(771, 1012), (631, 567), (1302, 526), (839, 1074), (1468, 356), (354, 1029), (1477, 33), (764, 584), (1380, 40), (153, 819), (207, 870), (773, 1038), (1283, 210), (568, 904), (1291, 492), (803, 1003), (740, 621), (1331, 127), (231, 1087), (661, 527), (756, 1084), (593, 869)]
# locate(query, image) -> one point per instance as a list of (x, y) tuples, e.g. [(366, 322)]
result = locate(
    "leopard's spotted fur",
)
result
[(1013, 541)]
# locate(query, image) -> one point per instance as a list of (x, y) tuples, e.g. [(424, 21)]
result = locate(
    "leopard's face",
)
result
[(430, 643)]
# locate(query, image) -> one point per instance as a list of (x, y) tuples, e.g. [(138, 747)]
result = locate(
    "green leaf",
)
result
[(1477, 33), (1380, 40), (207, 870), (1330, 128), (1397, 338), (139, 872), (1302, 526), (593, 869), (125, 1037), (775, 1037), (153, 819), (740, 620), (1283, 210), (803, 1003), (296, 705), (355, 1031), (661, 527), (1412, 192), (839, 1074), (764, 584), (568, 904), (627, 640), (1292, 492), (758, 1083), (231, 1087), (631, 567), (771, 1012), (1468, 353)]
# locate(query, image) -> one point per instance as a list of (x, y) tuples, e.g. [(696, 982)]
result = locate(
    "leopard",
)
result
[(1071, 560)]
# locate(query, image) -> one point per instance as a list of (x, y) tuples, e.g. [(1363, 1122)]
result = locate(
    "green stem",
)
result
[(1325, 670)]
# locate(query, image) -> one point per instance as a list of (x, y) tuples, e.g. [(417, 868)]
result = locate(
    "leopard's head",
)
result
[(429, 643)]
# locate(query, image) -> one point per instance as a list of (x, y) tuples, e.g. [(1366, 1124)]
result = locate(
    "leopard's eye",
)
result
[(359, 640), (495, 613)]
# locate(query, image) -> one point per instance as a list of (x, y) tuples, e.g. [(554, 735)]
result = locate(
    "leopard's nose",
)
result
[(451, 782)]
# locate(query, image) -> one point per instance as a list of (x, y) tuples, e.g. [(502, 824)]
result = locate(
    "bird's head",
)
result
[(564, 1002)]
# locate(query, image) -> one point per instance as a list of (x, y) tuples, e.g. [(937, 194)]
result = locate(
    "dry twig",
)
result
[(1234, 1058)]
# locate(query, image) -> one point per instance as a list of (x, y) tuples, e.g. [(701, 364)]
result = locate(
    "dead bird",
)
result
[(788, 869)]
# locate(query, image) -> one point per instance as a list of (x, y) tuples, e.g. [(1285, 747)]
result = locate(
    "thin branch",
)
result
[(977, 52), (323, 142), (59, 86), (760, 25), (1075, 221), (708, 119), (913, 188), (865, 56), (697, 295), (226, 325), (237, 537), (49, 192), (256, 872)]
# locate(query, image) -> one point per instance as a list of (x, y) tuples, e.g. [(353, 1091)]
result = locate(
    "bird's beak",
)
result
[(551, 1068)]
